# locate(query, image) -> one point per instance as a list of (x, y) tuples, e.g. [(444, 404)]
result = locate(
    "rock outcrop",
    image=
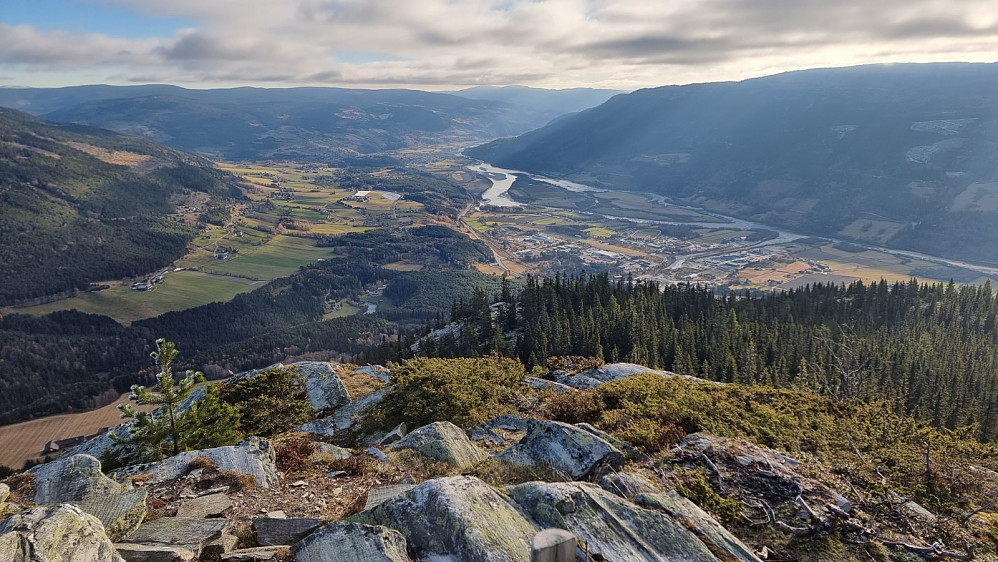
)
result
[(352, 541), (254, 456), (59, 533), (721, 542), (609, 525), (78, 479), (323, 387), (571, 450), (345, 416), (443, 441), (274, 532), (612, 372), (459, 516)]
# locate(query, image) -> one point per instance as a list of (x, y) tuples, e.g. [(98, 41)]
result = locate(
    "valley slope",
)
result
[(79, 205), (900, 156)]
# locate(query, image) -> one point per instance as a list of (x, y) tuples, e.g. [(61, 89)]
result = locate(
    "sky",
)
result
[(451, 44)]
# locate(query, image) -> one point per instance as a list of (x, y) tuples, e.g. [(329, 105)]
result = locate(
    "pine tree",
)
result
[(167, 431)]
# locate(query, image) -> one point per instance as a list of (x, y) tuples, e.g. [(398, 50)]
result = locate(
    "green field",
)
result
[(281, 256), (179, 290)]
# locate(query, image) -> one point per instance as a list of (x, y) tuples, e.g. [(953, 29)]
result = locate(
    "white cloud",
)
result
[(556, 43)]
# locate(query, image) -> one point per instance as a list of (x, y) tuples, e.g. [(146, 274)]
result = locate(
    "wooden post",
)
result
[(553, 545)]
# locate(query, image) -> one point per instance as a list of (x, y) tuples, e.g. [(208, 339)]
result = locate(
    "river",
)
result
[(503, 178)]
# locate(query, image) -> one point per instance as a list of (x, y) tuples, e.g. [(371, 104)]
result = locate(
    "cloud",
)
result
[(556, 43)]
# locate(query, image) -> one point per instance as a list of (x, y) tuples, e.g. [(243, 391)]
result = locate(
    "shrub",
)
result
[(294, 453), (236, 480), (461, 391), (269, 402), (692, 484)]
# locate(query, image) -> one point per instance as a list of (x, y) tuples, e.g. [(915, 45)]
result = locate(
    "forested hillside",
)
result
[(79, 205), (69, 361), (900, 156), (929, 349)]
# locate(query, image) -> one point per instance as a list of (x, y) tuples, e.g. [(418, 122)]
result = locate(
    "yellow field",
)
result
[(23, 441)]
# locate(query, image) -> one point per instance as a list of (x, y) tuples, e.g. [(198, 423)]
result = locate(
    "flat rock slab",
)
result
[(460, 516), (443, 441), (566, 448), (275, 532), (184, 532), (352, 541), (261, 554), (146, 553), (212, 505), (324, 388), (55, 533), (378, 496), (120, 513)]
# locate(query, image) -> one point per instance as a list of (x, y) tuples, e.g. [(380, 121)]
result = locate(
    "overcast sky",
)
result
[(444, 44)]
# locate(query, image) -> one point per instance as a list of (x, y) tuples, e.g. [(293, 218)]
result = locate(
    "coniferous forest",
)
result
[(928, 348)]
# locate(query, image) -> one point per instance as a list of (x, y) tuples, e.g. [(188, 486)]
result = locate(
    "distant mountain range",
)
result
[(79, 204), (903, 155), (327, 124)]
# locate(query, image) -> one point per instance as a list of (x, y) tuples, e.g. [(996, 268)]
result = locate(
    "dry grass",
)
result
[(294, 453), (359, 383)]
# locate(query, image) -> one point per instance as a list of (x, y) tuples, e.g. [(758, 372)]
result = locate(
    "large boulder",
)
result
[(569, 449), (254, 456), (609, 525), (352, 541), (70, 479), (59, 533), (156, 553), (459, 516), (78, 479), (324, 388), (443, 441), (283, 531)]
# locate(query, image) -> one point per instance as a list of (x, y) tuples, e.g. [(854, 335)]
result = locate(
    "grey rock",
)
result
[(460, 516), (378, 496), (566, 448), (59, 533), (333, 451), (443, 441), (376, 371), (336, 473), (613, 372), (4, 493), (508, 422), (705, 527), (145, 553), (275, 532), (918, 514), (344, 417), (609, 525), (181, 532), (324, 388), (627, 485), (120, 513), (376, 453), (253, 455), (212, 505), (394, 435), (261, 554), (70, 479), (279, 514), (631, 451), (78, 479), (222, 545), (352, 541), (543, 384), (553, 545), (479, 433)]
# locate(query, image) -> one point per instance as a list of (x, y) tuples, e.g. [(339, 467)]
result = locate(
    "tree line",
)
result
[(928, 348)]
